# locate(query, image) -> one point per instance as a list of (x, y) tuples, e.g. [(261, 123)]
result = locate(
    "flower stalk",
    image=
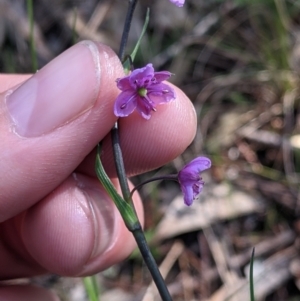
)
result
[(126, 209), (168, 177), (129, 15), (119, 162), (125, 205), (151, 264), (132, 223), (142, 90)]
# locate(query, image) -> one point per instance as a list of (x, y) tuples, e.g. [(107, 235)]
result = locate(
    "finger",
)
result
[(9, 81), (76, 230), (149, 144), (52, 121), (26, 292)]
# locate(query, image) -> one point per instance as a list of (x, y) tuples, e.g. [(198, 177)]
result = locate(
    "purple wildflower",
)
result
[(190, 179), (142, 90), (178, 3)]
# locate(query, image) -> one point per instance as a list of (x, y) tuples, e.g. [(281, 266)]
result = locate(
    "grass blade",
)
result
[(91, 288), (251, 278), (31, 36)]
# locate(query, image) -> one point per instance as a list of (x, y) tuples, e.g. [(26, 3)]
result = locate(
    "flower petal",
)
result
[(197, 165), (190, 179), (162, 75), (188, 194), (124, 83), (197, 188), (125, 103), (161, 93), (138, 77), (144, 107), (178, 3), (142, 90)]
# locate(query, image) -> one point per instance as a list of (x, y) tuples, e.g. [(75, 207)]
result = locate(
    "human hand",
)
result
[(55, 217)]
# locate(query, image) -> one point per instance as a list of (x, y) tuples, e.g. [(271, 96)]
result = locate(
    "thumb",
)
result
[(52, 121)]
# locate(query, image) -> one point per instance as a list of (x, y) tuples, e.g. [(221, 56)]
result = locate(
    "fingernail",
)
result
[(103, 214), (57, 94)]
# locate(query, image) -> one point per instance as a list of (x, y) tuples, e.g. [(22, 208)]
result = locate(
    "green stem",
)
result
[(31, 37), (130, 11), (251, 277), (131, 221), (151, 264), (120, 163), (135, 228), (125, 208), (91, 287), (169, 177), (114, 132)]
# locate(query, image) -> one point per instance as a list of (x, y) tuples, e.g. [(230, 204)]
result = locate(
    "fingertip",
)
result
[(26, 292), (58, 231), (67, 110), (77, 229), (122, 244), (149, 144)]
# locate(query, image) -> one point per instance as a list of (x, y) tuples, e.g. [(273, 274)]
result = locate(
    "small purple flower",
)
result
[(178, 3), (142, 90), (190, 179)]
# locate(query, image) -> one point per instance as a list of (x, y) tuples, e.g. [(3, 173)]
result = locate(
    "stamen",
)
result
[(142, 92), (165, 91)]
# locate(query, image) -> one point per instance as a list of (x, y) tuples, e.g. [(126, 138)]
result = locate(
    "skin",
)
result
[(55, 216)]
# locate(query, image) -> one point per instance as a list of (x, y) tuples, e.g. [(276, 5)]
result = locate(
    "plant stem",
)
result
[(120, 163), (251, 277), (114, 132), (151, 264), (31, 37), (168, 177), (130, 11), (136, 229), (91, 287)]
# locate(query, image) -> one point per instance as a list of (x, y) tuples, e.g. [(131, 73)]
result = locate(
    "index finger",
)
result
[(149, 144)]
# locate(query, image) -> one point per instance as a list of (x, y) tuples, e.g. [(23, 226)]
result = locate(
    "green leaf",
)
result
[(252, 295), (126, 209), (91, 288), (31, 35), (128, 62)]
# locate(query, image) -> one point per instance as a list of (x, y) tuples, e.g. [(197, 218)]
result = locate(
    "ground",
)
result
[(239, 62)]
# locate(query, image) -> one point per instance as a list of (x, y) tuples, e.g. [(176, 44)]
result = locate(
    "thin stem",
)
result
[(130, 11), (169, 177), (120, 163), (31, 37), (151, 264), (91, 287), (137, 229), (114, 132), (251, 277), (74, 35)]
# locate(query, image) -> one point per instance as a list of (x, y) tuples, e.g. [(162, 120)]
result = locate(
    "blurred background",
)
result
[(239, 62)]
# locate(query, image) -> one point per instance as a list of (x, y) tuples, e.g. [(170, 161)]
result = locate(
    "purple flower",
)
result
[(190, 179), (178, 3), (142, 90)]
